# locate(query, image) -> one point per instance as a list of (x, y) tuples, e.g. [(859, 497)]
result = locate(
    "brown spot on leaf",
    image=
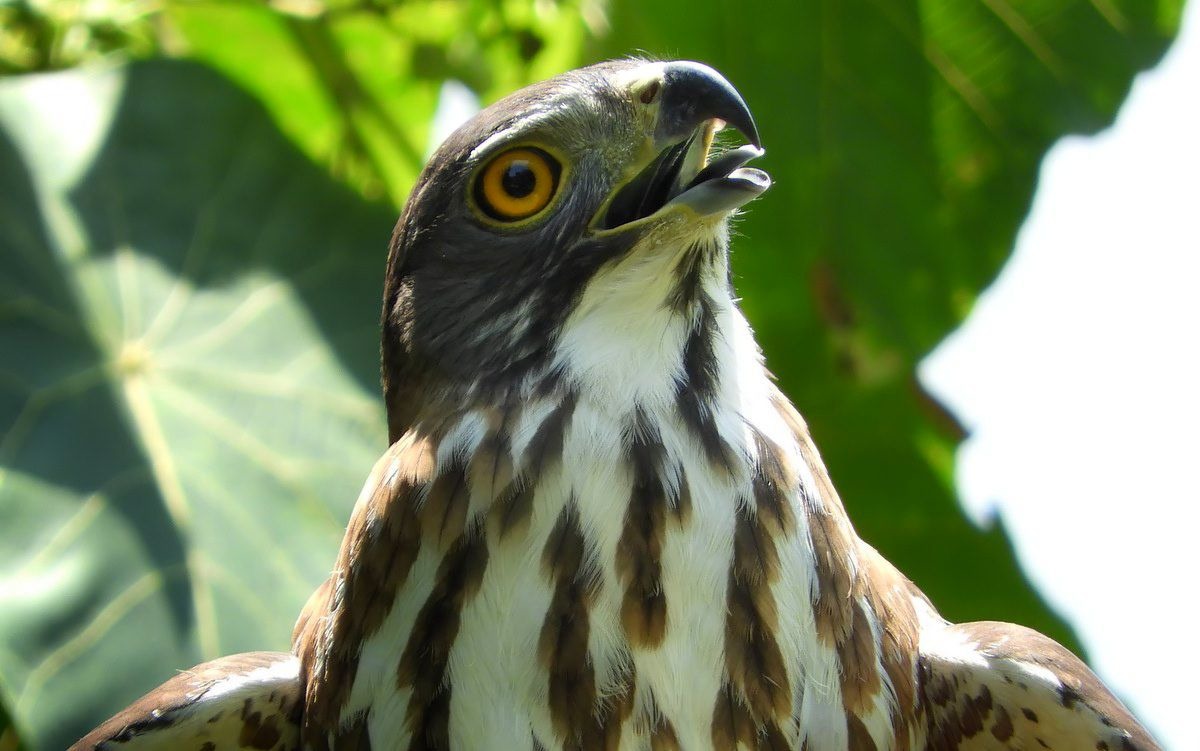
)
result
[(831, 301)]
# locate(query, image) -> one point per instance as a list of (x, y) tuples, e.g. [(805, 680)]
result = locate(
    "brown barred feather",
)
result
[(422, 666), (662, 732), (443, 513), (380, 546), (639, 550), (732, 723), (859, 663), (512, 510), (563, 643), (490, 468), (858, 738)]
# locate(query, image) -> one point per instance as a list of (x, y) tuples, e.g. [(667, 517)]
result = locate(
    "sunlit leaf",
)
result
[(355, 86), (188, 397)]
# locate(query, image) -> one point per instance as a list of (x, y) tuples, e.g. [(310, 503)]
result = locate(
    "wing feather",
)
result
[(244, 701), (996, 686)]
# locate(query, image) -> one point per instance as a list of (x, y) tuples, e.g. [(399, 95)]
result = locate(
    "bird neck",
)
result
[(650, 477), (660, 332)]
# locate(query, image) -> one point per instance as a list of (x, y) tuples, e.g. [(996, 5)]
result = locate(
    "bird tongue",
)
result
[(650, 190), (668, 177), (726, 163)]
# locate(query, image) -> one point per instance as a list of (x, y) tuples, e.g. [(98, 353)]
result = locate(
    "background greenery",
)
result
[(191, 254)]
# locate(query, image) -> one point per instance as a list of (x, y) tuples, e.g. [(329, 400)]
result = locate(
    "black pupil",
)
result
[(518, 180)]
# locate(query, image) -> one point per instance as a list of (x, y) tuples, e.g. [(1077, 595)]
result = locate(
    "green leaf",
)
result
[(904, 139), (9, 740), (354, 86), (188, 395)]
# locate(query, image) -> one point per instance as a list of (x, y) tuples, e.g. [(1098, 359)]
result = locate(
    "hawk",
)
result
[(599, 524)]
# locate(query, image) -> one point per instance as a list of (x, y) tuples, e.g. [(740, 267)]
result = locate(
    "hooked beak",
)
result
[(694, 101)]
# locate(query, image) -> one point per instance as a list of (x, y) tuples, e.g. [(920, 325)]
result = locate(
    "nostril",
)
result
[(650, 93)]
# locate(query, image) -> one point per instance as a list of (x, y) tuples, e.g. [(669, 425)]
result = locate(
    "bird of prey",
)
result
[(599, 524)]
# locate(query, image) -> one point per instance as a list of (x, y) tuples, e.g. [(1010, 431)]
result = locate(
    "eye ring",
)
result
[(517, 184)]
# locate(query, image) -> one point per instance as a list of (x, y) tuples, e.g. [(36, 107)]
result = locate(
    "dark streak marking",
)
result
[(378, 551), (423, 664), (639, 550), (563, 643), (697, 389), (857, 657), (444, 512), (514, 507), (1002, 728), (859, 738), (753, 661)]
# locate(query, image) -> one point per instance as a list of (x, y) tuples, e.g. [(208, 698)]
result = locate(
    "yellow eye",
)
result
[(517, 184)]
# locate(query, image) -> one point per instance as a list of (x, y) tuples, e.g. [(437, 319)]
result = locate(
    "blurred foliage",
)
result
[(8, 734), (190, 273), (352, 82)]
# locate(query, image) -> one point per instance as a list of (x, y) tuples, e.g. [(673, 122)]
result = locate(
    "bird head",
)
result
[(592, 195)]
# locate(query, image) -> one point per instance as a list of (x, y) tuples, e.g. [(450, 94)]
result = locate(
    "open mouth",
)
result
[(683, 174)]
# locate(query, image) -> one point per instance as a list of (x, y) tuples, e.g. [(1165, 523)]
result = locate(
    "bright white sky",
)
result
[(1078, 376)]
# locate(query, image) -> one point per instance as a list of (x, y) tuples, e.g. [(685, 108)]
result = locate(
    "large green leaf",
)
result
[(188, 392), (904, 138)]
